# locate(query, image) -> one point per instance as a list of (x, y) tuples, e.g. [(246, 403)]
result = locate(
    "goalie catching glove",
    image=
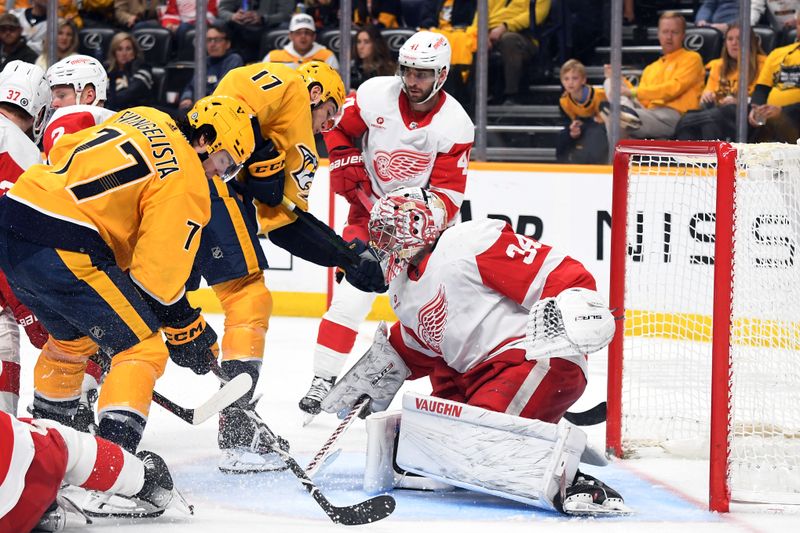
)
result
[(577, 321), (379, 374), (192, 343), (348, 173), (267, 174)]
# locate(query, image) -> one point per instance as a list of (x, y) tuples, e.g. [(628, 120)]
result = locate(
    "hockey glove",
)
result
[(267, 173), (24, 316), (367, 274), (379, 374), (33, 328), (192, 343), (348, 173)]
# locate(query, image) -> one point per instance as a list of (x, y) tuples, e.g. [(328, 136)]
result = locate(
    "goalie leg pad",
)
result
[(381, 473), (511, 457)]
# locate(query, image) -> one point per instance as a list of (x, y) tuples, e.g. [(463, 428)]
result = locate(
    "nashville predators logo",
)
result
[(304, 174)]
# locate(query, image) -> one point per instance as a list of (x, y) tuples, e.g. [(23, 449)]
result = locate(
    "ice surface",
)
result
[(667, 494)]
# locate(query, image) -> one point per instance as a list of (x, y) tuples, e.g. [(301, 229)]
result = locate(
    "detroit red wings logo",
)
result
[(432, 319), (401, 165)]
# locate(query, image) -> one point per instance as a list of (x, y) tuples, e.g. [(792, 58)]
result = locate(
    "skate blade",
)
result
[(308, 418), (593, 509)]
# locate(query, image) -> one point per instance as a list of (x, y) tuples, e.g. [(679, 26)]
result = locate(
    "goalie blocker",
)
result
[(448, 443)]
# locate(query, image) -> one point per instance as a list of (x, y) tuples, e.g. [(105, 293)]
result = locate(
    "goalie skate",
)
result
[(588, 496)]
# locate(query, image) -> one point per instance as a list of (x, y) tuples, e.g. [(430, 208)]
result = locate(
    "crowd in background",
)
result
[(680, 95)]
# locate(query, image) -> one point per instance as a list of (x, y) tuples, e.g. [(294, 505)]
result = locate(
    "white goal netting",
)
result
[(669, 294)]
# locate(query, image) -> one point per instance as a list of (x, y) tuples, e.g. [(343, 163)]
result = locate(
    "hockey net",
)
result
[(704, 262)]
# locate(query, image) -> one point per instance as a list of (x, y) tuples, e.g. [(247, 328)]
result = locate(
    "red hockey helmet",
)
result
[(403, 225)]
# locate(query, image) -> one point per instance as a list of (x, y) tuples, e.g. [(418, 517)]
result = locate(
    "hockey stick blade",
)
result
[(348, 420), (229, 393), (590, 417), (366, 512)]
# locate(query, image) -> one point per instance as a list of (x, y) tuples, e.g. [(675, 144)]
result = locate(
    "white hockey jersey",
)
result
[(17, 153), (16, 455), (404, 149), (71, 119), (468, 301)]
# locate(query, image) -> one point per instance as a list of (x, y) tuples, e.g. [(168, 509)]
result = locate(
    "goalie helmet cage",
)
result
[(703, 261)]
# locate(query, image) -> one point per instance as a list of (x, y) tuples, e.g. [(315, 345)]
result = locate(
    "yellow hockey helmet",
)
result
[(230, 119), (319, 72)]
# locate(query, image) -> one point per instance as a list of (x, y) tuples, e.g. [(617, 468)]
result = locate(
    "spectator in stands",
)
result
[(509, 21), (12, 43), (719, 14), (248, 24), (302, 47), (454, 21), (33, 20), (180, 15), (382, 13), (130, 80), (136, 14), (670, 86), (219, 61), (584, 138), (779, 15), (67, 9), (66, 43), (325, 13), (775, 103), (717, 119), (98, 13), (371, 57)]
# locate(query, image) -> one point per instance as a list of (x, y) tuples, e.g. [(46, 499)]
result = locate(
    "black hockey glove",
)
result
[(192, 343), (365, 275), (266, 170)]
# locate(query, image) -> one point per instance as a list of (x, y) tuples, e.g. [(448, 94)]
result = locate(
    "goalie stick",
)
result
[(590, 417), (324, 453), (366, 512)]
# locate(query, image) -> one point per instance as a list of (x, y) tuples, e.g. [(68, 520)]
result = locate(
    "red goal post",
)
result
[(703, 261)]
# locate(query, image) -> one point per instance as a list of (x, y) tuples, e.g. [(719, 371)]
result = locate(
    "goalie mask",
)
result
[(403, 226)]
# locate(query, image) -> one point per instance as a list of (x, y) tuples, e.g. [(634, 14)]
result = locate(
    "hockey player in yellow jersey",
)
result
[(289, 107), (101, 242)]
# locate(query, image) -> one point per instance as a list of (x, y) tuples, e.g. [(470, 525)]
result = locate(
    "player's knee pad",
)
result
[(381, 473), (451, 442), (247, 304), (59, 370), (129, 384)]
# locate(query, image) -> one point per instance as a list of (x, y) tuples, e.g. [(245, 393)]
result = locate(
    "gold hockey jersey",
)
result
[(279, 98), (136, 182)]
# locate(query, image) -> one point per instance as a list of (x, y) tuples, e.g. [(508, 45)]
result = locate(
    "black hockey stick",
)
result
[(590, 417), (366, 512), (322, 230)]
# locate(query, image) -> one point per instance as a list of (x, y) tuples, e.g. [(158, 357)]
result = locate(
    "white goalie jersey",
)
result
[(468, 300), (403, 149)]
